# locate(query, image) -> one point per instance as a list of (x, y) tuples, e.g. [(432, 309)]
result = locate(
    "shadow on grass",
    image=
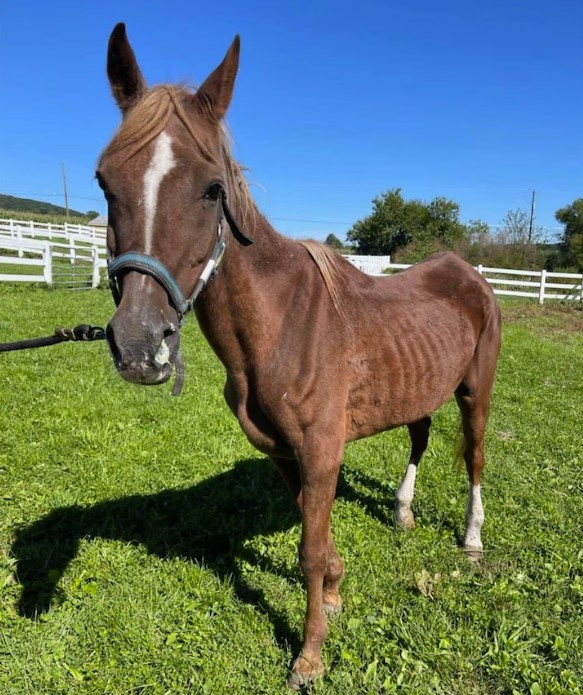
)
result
[(207, 523), (378, 499)]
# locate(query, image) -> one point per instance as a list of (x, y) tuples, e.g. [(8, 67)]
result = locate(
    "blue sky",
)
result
[(335, 102)]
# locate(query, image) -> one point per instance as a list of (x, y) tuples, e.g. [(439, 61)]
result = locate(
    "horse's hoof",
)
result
[(404, 519), (303, 673), (473, 552), (333, 609)]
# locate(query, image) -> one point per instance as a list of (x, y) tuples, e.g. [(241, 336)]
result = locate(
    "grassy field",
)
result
[(145, 547)]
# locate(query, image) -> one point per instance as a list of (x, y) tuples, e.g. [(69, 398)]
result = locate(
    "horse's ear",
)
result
[(214, 95), (126, 80)]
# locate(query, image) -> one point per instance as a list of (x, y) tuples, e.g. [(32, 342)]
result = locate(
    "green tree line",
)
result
[(410, 230)]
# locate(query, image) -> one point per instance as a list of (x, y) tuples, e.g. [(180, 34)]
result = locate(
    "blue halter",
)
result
[(143, 263)]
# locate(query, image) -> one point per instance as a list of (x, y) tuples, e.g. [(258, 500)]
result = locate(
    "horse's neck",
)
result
[(238, 309)]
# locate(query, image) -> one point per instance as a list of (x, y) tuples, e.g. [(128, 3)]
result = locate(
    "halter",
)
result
[(148, 265)]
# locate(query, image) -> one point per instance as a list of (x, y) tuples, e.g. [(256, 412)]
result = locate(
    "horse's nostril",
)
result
[(170, 330)]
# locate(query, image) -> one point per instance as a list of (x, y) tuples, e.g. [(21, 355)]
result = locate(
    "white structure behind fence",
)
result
[(371, 265)]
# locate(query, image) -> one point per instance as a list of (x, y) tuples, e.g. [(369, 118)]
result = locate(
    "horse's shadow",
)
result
[(208, 523)]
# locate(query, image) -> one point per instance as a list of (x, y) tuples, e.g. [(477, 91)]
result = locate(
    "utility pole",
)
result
[(65, 188), (531, 223)]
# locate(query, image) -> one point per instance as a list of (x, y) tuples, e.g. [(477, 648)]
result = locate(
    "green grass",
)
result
[(145, 547)]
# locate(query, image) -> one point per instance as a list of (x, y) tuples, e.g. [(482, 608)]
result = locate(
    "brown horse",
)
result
[(316, 353)]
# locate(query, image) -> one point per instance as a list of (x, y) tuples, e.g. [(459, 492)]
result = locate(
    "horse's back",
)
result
[(440, 276), (414, 335)]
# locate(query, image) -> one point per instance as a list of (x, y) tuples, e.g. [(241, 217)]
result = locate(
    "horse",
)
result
[(316, 353)]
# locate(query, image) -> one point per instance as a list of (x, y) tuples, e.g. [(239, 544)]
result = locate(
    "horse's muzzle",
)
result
[(143, 354)]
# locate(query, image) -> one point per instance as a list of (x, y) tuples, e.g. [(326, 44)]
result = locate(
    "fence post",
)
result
[(19, 237), (48, 264), (72, 250), (96, 278), (480, 269), (543, 280)]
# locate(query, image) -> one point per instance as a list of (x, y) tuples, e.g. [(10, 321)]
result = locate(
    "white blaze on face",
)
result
[(162, 162)]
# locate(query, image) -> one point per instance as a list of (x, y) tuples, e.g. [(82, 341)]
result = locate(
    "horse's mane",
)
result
[(150, 116), (328, 262)]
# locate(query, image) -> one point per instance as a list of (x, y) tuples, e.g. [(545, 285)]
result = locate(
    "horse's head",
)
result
[(165, 176)]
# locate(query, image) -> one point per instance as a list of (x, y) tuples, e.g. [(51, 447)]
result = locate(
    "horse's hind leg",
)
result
[(419, 433), (289, 471), (474, 416), (473, 398)]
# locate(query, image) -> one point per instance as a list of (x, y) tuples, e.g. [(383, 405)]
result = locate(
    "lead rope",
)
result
[(86, 333), (61, 335)]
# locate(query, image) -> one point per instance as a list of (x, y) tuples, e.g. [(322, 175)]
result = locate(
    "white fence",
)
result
[(74, 255), (372, 265), (19, 229), (534, 284), (68, 254)]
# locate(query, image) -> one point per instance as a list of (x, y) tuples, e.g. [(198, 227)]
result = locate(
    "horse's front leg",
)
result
[(289, 471), (319, 463)]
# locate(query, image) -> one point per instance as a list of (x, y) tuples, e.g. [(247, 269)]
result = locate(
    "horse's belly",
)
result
[(391, 390)]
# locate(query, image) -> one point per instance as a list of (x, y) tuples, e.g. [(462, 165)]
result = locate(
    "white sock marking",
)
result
[(404, 497), (162, 162), (406, 489), (474, 518)]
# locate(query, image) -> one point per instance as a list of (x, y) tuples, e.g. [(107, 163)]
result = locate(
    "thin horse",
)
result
[(316, 353)]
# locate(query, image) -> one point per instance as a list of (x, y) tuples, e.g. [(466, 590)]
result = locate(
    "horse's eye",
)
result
[(213, 191), (100, 181)]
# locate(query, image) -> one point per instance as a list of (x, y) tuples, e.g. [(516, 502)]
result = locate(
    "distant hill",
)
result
[(13, 204)]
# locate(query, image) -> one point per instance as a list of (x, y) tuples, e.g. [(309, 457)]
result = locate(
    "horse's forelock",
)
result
[(150, 116)]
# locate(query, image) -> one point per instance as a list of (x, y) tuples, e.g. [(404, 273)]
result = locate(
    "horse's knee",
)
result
[(312, 560)]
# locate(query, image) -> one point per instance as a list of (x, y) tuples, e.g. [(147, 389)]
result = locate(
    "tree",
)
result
[(516, 244), (478, 232), (382, 231), (516, 229), (396, 223), (571, 244), (333, 241)]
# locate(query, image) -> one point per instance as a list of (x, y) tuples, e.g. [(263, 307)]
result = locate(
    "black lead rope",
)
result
[(61, 335), (85, 333)]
